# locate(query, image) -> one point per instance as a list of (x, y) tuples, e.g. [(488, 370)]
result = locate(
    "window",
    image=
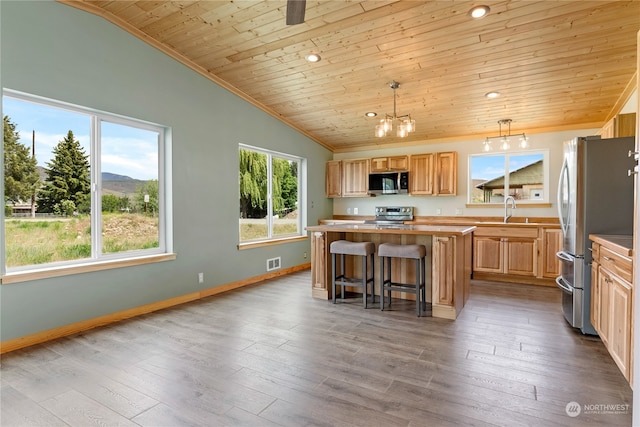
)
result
[(83, 171), (523, 175), (269, 194)]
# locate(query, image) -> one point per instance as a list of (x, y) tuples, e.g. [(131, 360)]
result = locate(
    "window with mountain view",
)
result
[(269, 195), (523, 175), (82, 186)]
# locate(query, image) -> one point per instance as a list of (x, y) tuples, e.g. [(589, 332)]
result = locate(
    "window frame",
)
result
[(543, 202), (271, 238), (98, 260)]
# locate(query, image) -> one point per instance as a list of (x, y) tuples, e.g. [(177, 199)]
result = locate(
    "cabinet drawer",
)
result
[(506, 232), (617, 264), (595, 252)]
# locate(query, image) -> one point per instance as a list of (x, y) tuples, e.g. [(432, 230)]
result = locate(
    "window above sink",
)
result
[(523, 175)]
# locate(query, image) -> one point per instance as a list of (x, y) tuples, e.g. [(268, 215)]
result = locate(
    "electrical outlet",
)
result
[(348, 211), (355, 211), (305, 255), (438, 211), (458, 211), (200, 277)]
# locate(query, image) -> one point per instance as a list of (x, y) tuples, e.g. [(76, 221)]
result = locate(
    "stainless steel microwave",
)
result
[(389, 183)]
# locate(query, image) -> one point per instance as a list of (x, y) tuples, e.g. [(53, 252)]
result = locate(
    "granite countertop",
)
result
[(439, 230), (618, 243)]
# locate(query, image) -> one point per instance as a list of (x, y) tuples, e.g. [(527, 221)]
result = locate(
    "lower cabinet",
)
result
[(506, 250), (551, 243), (612, 305), (517, 253)]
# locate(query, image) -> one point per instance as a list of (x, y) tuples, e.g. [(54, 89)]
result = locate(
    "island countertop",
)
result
[(421, 229)]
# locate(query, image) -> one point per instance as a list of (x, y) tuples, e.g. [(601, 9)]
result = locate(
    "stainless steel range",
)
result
[(392, 215)]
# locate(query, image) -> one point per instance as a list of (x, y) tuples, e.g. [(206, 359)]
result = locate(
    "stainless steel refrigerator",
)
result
[(595, 196)]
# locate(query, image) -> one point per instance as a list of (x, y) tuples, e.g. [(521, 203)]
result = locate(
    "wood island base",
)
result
[(448, 260)]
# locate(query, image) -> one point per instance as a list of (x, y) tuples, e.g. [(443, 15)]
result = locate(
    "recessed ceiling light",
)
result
[(492, 95), (312, 57), (370, 114), (478, 12)]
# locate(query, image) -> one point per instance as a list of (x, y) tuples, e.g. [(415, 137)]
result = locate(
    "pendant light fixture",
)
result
[(404, 124), (505, 140)]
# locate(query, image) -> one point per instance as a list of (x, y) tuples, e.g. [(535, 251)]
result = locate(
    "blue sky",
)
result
[(491, 166), (125, 150)]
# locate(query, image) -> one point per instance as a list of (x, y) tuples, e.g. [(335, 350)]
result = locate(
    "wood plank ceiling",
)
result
[(557, 64)]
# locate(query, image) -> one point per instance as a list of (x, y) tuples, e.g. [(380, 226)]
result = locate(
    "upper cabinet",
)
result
[(347, 178), (446, 173), (430, 174), (389, 164), (620, 126), (421, 174), (355, 178), (434, 174), (333, 179)]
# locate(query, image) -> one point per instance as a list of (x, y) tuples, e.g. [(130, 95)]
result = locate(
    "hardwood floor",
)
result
[(270, 355)]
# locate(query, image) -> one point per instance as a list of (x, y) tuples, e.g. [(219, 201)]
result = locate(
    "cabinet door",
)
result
[(333, 179), (443, 270), (620, 328), (355, 177), (521, 257), (551, 244), (421, 174), (488, 254), (595, 297), (393, 163), (399, 163), (379, 164), (605, 283), (446, 173)]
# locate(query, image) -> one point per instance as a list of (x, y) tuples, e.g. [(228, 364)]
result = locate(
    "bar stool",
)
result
[(363, 249), (386, 251)]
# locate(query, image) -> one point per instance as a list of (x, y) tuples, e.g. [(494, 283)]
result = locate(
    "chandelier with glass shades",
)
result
[(505, 140), (404, 124)]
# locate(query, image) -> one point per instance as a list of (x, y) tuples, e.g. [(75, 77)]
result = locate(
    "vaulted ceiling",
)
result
[(557, 64)]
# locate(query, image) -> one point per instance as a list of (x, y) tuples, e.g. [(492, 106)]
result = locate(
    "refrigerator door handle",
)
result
[(562, 285), (565, 256), (564, 176)]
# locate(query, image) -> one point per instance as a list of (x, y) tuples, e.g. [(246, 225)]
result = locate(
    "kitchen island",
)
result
[(448, 253)]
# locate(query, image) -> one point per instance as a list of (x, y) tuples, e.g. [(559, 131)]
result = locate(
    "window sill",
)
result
[(46, 273), (250, 245)]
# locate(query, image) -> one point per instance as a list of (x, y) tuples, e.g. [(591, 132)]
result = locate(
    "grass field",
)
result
[(252, 230), (40, 241), (36, 241)]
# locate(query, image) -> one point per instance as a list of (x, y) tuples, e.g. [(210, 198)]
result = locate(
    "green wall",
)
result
[(56, 51)]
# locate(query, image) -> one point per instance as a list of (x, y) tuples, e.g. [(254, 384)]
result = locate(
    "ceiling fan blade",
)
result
[(295, 11)]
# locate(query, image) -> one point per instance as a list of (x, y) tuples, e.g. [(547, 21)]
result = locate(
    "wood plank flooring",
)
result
[(270, 355)]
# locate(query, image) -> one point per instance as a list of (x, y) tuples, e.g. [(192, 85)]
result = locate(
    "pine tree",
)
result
[(68, 183), (21, 179)]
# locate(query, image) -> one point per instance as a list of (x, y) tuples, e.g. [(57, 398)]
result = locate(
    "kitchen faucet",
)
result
[(506, 203)]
